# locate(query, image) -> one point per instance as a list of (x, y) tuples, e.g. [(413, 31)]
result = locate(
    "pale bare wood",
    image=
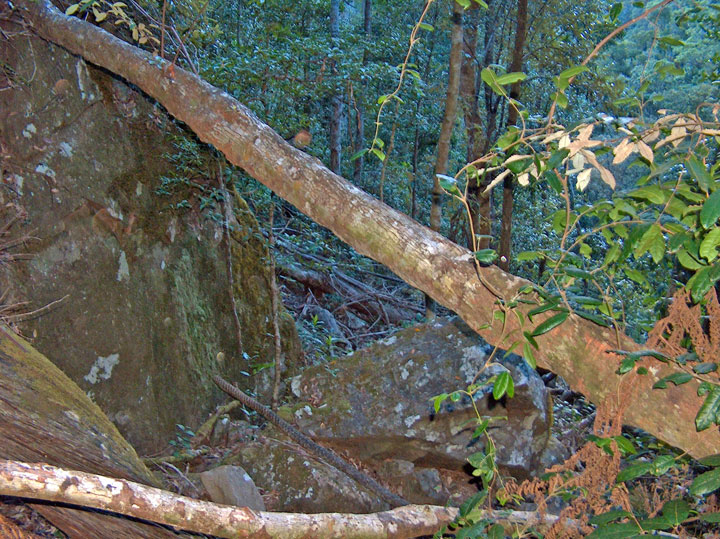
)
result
[(45, 482)]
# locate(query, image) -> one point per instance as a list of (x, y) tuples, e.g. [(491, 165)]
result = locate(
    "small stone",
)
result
[(231, 485)]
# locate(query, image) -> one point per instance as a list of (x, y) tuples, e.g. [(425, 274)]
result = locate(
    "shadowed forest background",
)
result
[(469, 247)]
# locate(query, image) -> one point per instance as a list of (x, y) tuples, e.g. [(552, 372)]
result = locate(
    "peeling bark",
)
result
[(578, 350), (45, 482)]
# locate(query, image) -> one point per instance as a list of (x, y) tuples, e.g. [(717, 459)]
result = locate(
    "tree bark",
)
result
[(578, 350), (45, 482), (335, 101), (478, 202), (508, 185), (45, 416), (446, 129)]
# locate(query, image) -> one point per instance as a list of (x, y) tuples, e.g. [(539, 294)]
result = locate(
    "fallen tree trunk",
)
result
[(45, 482), (45, 416), (41, 481), (578, 350)]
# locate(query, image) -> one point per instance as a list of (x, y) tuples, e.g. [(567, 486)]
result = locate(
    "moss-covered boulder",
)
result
[(146, 313), (377, 403)]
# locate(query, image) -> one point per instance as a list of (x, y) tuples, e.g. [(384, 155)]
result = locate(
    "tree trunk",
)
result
[(479, 203), (508, 185), (335, 100), (359, 107), (46, 417), (446, 129), (578, 350)]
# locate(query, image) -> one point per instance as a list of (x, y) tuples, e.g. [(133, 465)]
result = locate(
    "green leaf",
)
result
[(449, 184), (708, 413), (633, 471), (656, 523), (616, 531), (712, 460), (708, 247), (426, 26), (677, 378), (573, 72), (529, 356), (606, 518), (615, 11), (652, 193), (496, 531), (550, 324), (599, 320), (699, 172), (687, 260), (557, 157), (526, 256), (578, 273), (549, 305), (625, 445), (706, 483), (438, 400), (676, 511), (562, 100), (510, 78), (486, 256), (710, 517), (72, 9), (705, 368), (488, 76), (662, 464), (710, 212), (653, 241), (358, 155), (503, 384), (379, 153)]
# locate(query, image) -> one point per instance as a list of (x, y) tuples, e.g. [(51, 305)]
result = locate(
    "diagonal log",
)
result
[(578, 350)]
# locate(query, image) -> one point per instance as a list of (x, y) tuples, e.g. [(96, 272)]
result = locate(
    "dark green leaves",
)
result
[(710, 409), (710, 212), (486, 256), (706, 483), (677, 378), (699, 172), (551, 323), (503, 385), (449, 184)]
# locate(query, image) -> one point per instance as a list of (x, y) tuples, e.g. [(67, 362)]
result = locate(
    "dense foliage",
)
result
[(618, 162)]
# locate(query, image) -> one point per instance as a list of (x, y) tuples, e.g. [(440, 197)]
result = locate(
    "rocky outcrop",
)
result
[(377, 403), (375, 408), (147, 316)]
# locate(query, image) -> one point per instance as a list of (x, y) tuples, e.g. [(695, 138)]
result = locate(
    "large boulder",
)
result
[(147, 316), (376, 404)]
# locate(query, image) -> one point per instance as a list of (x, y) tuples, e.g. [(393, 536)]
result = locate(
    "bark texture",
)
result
[(508, 185), (45, 416), (578, 350), (45, 482)]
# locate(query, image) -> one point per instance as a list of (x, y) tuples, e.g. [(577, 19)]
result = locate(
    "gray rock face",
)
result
[(148, 318), (295, 481), (378, 403), (231, 485)]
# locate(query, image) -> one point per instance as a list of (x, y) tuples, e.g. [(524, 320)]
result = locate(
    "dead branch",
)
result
[(45, 482), (327, 455)]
